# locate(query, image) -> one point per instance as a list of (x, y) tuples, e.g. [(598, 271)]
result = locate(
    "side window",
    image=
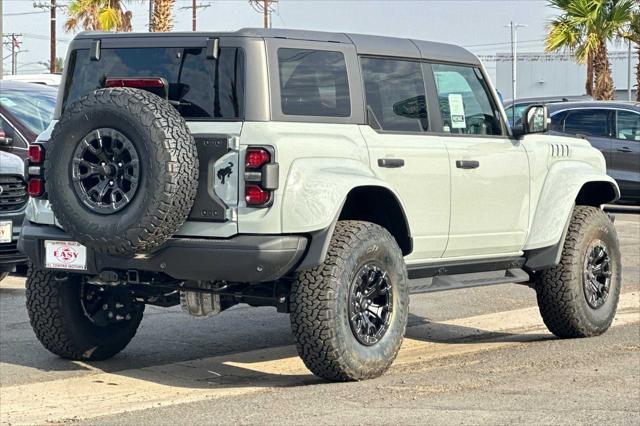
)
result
[(10, 132), (557, 121), (628, 126), (395, 94), (588, 122), (314, 83), (466, 105)]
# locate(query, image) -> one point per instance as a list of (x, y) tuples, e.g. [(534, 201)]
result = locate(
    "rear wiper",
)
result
[(179, 103)]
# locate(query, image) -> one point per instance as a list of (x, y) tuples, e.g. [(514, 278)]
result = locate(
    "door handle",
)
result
[(390, 163), (624, 149), (467, 164)]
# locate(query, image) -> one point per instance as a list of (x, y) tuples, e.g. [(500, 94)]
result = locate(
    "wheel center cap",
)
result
[(109, 170)]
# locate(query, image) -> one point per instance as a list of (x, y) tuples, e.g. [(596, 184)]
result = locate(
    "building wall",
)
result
[(556, 75)]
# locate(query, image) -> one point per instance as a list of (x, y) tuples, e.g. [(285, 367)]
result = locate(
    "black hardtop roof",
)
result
[(364, 44)]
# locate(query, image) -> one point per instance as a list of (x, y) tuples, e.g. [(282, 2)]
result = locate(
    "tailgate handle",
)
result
[(390, 163), (467, 164)]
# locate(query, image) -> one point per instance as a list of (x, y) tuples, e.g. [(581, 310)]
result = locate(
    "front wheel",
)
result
[(579, 296), (80, 321), (349, 314)]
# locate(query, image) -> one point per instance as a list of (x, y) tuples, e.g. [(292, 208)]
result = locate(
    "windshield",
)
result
[(33, 109), (200, 88)]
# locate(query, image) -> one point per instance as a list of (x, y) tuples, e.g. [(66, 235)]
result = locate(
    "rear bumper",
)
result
[(244, 258)]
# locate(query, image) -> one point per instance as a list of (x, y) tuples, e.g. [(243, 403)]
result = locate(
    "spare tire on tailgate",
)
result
[(121, 171)]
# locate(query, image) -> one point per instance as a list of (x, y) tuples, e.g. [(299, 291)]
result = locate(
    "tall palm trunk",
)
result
[(589, 84), (163, 15), (604, 89)]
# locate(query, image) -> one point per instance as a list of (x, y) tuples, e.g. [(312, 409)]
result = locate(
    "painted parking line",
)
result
[(99, 394)]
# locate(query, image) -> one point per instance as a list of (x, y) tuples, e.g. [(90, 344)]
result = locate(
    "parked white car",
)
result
[(314, 172)]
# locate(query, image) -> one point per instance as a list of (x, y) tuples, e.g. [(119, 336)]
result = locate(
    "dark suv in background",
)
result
[(613, 128)]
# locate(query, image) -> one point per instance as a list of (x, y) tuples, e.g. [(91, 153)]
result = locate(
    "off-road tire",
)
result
[(58, 320), (168, 168), (561, 296), (319, 304)]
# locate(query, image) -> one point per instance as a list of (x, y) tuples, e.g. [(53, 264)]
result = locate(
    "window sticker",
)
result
[(456, 111)]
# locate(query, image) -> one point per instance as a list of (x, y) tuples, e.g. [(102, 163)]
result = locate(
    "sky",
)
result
[(479, 25)]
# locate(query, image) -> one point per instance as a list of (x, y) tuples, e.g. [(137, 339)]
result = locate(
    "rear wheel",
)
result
[(579, 296), (349, 314), (80, 321)]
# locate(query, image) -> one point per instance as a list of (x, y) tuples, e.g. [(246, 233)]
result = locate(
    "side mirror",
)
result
[(415, 107), (4, 139), (536, 119)]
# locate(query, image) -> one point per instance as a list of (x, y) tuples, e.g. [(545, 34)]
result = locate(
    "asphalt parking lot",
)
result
[(470, 357)]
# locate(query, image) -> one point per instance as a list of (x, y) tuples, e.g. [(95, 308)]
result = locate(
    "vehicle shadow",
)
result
[(235, 353), (425, 330)]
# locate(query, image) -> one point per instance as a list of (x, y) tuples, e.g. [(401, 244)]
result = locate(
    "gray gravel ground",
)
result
[(541, 381)]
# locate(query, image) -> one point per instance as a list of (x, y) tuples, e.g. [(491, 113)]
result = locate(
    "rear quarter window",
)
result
[(313, 83), (199, 88)]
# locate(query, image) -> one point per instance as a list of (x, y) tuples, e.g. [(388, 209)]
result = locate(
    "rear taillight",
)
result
[(256, 196), (35, 185), (261, 176), (36, 154), (256, 158)]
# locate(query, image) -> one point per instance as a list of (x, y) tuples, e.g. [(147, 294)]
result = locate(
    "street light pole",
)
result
[(629, 73), (514, 67)]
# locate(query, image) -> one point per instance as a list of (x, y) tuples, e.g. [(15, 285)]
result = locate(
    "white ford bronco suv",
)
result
[(319, 173)]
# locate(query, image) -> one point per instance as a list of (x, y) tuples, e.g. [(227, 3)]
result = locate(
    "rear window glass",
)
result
[(199, 88), (313, 83)]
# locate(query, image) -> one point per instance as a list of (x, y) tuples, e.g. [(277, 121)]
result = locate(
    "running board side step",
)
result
[(476, 279)]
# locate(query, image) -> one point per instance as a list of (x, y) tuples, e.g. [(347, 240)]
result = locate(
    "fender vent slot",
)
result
[(560, 150)]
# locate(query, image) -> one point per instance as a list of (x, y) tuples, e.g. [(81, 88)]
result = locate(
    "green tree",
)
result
[(103, 15), (632, 33), (584, 28)]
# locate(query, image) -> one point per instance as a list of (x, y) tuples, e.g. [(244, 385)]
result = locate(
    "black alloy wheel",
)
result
[(370, 304), (597, 274), (105, 171)]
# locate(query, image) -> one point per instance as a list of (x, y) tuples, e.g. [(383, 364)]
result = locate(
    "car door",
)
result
[(594, 125), (489, 171), (401, 152), (625, 153)]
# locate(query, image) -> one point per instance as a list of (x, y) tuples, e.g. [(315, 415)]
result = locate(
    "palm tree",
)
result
[(584, 28), (104, 15), (163, 15), (632, 33)]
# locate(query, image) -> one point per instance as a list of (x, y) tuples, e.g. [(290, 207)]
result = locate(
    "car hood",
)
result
[(11, 164)]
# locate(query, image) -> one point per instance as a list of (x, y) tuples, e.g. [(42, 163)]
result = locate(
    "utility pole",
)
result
[(52, 9), (52, 42), (267, 24), (514, 66), (266, 8), (628, 73), (14, 44), (194, 16)]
